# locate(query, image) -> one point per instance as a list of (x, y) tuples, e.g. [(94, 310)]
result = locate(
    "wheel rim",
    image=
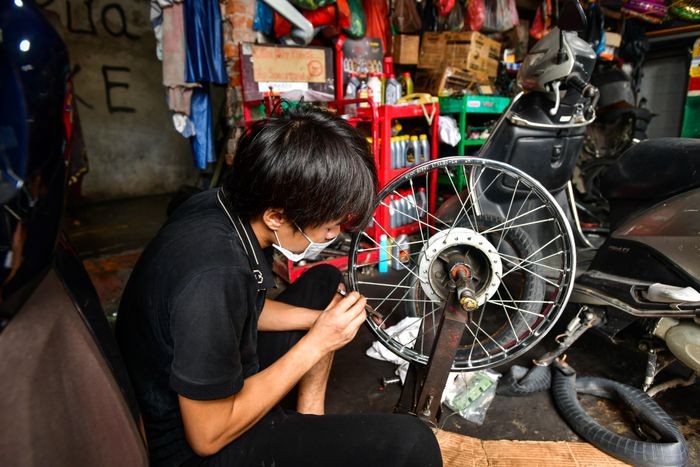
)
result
[(521, 253)]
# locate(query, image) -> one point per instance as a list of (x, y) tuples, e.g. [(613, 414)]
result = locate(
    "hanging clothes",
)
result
[(203, 141), (204, 64), (205, 50)]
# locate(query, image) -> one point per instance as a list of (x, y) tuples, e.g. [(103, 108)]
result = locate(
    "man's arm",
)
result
[(211, 425), (279, 316)]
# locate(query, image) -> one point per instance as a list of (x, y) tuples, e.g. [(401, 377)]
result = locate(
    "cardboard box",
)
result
[(448, 80), (406, 49), (432, 50), (470, 51)]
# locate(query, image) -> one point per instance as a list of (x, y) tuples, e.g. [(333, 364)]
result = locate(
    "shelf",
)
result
[(474, 104)]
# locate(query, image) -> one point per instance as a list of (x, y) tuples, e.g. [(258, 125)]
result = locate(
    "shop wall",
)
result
[(132, 147)]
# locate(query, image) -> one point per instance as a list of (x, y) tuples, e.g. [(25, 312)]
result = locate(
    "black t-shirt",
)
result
[(187, 322)]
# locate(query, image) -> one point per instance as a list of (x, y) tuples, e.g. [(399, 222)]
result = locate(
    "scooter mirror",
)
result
[(571, 16)]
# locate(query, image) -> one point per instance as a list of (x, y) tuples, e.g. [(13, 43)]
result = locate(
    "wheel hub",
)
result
[(438, 256)]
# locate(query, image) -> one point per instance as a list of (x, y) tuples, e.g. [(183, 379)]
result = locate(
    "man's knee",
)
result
[(418, 443), (325, 275)]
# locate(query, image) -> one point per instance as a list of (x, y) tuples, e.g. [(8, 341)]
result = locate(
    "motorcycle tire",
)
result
[(670, 450)]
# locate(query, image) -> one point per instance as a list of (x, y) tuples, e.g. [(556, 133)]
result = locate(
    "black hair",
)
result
[(308, 162)]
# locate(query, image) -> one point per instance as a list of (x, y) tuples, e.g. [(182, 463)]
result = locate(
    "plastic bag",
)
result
[(455, 20), (311, 4), (358, 20), (405, 18), (476, 11), (376, 14), (500, 15), (470, 394)]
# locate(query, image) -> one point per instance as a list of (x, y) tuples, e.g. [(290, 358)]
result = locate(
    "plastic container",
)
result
[(384, 249), (422, 201), (363, 91), (351, 92), (407, 83), (375, 86), (393, 90), (411, 153), (400, 252), (424, 148)]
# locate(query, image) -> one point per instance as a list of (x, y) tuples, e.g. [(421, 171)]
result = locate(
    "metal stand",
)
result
[(424, 384)]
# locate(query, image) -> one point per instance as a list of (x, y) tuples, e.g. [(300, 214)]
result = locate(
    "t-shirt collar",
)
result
[(251, 246)]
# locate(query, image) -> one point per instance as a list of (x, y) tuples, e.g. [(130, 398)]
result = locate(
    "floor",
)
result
[(109, 237)]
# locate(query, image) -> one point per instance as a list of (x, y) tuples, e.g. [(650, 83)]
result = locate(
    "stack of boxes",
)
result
[(470, 55)]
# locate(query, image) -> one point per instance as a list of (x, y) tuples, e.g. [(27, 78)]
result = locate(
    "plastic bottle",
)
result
[(393, 90), (400, 252), (382, 79), (407, 83), (406, 143), (411, 151), (351, 92), (383, 254), (375, 86), (424, 148), (363, 91), (422, 201), (394, 152), (416, 150)]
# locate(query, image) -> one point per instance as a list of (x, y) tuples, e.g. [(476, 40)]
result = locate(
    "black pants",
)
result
[(284, 438)]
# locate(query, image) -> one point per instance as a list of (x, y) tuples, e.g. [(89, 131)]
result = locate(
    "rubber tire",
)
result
[(533, 289), (672, 451), (521, 381)]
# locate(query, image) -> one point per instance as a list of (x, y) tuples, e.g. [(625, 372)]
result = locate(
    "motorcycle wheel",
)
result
[(521, 279)]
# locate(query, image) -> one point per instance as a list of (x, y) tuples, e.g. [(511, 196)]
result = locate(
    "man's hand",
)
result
[(338, 324)]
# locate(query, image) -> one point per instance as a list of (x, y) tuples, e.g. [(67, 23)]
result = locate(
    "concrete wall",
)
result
[(132, 147)]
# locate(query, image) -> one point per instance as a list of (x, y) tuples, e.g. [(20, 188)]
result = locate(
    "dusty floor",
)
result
[(109, 237)]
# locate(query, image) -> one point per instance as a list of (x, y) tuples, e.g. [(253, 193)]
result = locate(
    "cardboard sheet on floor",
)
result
[(459, 451)]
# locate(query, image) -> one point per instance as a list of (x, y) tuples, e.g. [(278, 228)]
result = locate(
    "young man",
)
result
[(216, 366)]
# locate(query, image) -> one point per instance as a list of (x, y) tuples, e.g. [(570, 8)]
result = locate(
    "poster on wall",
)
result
[(284, 68)]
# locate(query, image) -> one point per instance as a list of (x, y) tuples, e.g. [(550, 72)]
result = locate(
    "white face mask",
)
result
[(312, 250)]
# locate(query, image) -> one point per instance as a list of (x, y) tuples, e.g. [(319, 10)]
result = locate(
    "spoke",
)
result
[(423, 211), (501, 301), (510, 323), (380, 284), (523, 311), (409, 343), (495, 227), (389, 252), (536, 263), (512, 198), (478, 327), (505, 287), (387, 299), (475, 341), (410, 217), (413, 191), (376, 248), (549, 219), (481, 193), (520, 266), (389, 295), (462, 205), (531, 255)]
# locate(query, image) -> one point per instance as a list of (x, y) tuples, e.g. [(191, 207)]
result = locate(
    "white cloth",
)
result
[(403, 332), (448, 131)]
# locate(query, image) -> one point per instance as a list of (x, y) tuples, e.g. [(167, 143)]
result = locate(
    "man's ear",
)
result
[(274, 218)]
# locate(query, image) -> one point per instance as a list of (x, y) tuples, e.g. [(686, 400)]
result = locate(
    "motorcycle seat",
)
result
[(654, 169)]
